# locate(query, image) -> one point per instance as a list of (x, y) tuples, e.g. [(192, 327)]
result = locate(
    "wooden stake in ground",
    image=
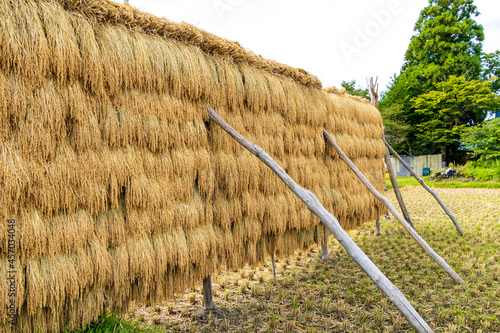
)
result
[(448, 212), (395, 186), (373, 91), (208, 302), (440, 261), (333, 225), (373, 86), (273, 265), (324, 252)]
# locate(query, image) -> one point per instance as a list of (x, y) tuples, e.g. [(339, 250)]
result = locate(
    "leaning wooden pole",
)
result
[(333, 225), (395, 186), (431, 191), (440, 261)]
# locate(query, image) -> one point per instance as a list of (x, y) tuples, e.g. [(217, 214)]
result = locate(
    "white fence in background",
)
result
[(417, 163)]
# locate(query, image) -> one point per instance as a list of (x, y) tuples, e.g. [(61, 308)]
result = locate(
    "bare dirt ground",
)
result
[(309, 295)]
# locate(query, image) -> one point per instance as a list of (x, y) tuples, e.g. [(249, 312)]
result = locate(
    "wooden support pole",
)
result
[(373, 91), (431, 191), (333, 225), (324, 252), (397, 191), (377, 224), (273, 265), (374, 99), (440, 261), (208, 301)]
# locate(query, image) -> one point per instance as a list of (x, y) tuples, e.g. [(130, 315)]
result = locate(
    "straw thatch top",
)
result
[(127, 16), (343, 92)]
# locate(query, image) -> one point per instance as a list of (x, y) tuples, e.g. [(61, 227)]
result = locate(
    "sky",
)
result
[(335, 40)]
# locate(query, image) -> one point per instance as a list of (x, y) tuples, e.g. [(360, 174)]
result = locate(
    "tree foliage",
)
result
[(453, 105), (491, 66), (395, 128), (447, 43), (483, 139), (352, 89)]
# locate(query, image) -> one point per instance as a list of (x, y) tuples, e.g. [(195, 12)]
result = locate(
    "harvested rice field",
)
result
[(309, 295)]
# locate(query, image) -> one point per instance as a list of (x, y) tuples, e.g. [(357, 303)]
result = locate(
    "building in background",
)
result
[(422, 165)]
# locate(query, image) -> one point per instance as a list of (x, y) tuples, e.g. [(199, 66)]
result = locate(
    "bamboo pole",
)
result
[(333, 225), (431, 191), (440, 261), (395, 186)]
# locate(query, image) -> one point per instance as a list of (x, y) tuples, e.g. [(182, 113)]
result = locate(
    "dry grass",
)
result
[(309, 296)]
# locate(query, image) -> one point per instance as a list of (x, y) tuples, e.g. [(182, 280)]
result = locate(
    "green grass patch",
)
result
[(482, 170), (113, 322), (409, 180)]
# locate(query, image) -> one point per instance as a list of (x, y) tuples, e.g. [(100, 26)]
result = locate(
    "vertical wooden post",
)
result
[(395, 186), (373, 86), (208, 302), (434, 194), (273, 265), (373, 91), (324, 252), (377, 224)]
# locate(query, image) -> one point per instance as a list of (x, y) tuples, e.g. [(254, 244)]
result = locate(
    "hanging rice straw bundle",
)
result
[(122, 188)]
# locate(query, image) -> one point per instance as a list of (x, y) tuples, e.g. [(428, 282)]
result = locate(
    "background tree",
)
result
[(483, 139), (453, 105), (352, 89), (448, 42), (395, 128), (491, 69)]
